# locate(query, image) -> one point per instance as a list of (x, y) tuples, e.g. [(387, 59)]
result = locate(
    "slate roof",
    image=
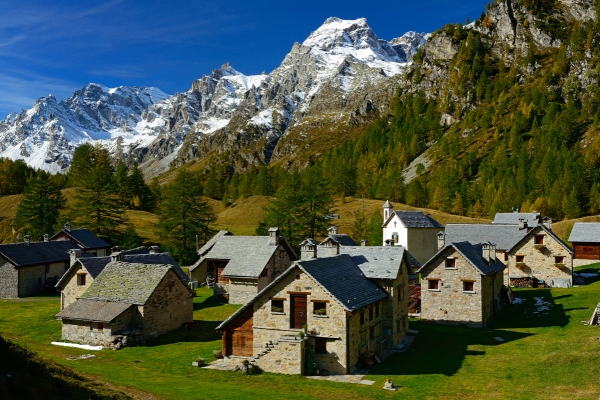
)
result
[(512, 218), (137, 250), (309, 242), (505, 237), (247, 255), (473, 254), (378, 262), (415, 219), (209, 244), (588, 232), (85, 237), (339, 276), (344, 240), (36, 253), (92, 310), (124, 282)]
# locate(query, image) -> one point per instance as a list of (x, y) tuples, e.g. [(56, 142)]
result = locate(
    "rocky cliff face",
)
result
[(340, 77)]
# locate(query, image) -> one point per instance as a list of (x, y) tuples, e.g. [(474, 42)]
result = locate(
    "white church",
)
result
[(414, 230)]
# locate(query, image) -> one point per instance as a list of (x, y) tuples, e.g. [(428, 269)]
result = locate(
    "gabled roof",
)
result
[(92, 310), (309, 242), (473, 254), (343, 239), (209, 244), (505, 237), (552, 235), (84, 237), (339, 276), (512, 218), (378, 262), (587, 232), (247, 255), (36, 253), (414, 219), (124, 282)]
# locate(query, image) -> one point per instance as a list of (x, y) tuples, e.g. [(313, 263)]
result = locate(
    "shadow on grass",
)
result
[(212, 301), (442, 349), (590, 269), (48, 292), (538, 309), (204, 333)]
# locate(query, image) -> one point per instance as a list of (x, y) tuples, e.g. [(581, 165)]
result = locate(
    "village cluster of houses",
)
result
[(336, 305)]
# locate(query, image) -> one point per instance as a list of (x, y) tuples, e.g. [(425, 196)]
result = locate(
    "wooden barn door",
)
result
[(298, 303), (239, 336)]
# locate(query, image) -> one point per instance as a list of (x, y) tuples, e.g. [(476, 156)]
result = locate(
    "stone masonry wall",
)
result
[(57, 269), (539, 263), (168, 308), (286, 357), (32, 280), (243, 290), (449, 304), (72, 291), (9, 280), (86, 332), (270, 326)]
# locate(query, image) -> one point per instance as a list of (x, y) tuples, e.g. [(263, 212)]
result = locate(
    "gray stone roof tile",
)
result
[(378, 262), (512, 218), (85, 237), (587, 232), (36, 253), (344, 240), (210, 243), (417, 219), (92, 310), (473, 254), (505, 237)]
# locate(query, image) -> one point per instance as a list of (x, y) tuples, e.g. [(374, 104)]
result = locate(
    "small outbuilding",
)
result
[(585, 238)]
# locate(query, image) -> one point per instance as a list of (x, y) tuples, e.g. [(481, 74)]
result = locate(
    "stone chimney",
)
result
[(154, 249), (68, 227), (363, 243), (493, 253), (389, 242), (387, 210), (74, 254), (117, 256), (333, 230), (26, 239), (548, 223), (441, 236), (522, 223), (46, 237), (115, 249), (485, 252), (274, 236), (330, 247), (308, 249)]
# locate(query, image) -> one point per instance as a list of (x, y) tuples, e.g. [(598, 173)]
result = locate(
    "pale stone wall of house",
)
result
[(32, 280), (86, 332), (72, 291), (422, 243), (243, 290), (490, 295), (9, 280), (199, 273), (270, 327), (449, 304), (286, 357), (539, 263), (56, 269), (581, 262), (169, 306)]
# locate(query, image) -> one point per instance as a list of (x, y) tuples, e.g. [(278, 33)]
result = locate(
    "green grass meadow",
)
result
[(546, 355)]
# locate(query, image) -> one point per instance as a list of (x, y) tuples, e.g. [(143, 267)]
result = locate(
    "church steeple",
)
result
[(387, 210)]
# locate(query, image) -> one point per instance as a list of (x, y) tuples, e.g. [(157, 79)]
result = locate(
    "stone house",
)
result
[(198, 271), (533, 255), (84, 270), (352, 304), (461, 284), (128, 303), (84, 239), (585, 238), (414, 230), (26, 267), (241, 266)]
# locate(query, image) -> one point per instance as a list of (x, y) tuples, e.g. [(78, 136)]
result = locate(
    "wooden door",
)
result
[(298, 303)]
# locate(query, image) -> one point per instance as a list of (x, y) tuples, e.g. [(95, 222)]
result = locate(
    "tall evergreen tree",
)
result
[(40, 206), (182, 215)]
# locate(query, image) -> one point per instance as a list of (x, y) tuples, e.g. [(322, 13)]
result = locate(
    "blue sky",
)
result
[(60, 46)]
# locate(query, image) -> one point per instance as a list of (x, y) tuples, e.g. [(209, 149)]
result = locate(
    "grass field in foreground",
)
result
[(547, 355)]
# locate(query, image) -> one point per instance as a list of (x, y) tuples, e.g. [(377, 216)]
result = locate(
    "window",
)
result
[(539, 239), (372, 333), (297, 276), (371, 314), (520, 259), (468, 286), (276, 305), (450, 263), (400, 293), (81, 279), (363, 338), (320, 345), (559, 260), (47, 268), (395, 237), (433, 284), (362, 317), (320, 308), (377, 310), (100, 326)]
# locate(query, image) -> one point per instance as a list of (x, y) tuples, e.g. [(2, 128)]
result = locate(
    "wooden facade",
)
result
[(238, 337), (586, 251)]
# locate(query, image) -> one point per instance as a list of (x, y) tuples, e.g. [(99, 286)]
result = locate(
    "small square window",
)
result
[(468, 286), (433, 284), (539, 239), (520, 259), (559, 260), (277, 306), (450, 263), (100, 326), (81, 279), (395, 237), (400, 293), (371, 314), (372, 333), (377, 310), (320, 345), (362, 317), (320, 308)]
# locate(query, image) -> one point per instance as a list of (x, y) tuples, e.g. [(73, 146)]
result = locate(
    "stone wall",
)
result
[(86, 332), (199, 273), (450, 304), (285, 357), (56, 269), (72, 291), (579, 262), (168, 308), (539, 263), (9, 280), (32, 280), (243, 290)]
